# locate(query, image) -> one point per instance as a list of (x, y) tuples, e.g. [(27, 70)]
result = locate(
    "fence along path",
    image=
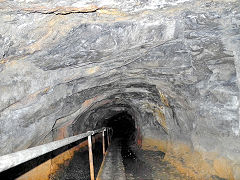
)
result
[(14, 159)]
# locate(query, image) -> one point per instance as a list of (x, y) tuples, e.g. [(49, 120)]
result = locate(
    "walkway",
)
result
[(112, 167), (128, 162)]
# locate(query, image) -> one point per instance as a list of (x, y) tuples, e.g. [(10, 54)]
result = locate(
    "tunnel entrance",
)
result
[(125, 136), (123, 126), (138, 163), (124, 156)]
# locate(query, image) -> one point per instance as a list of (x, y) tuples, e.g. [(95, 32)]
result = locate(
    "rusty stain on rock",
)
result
[(192, 163), (164, 99)]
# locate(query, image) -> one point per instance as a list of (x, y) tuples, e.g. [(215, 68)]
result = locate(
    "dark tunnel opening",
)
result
[(123, 126), (126, 136)]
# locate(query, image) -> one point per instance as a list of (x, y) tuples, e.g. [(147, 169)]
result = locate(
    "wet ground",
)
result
[(136, 164), (147, 165), (78, 166)]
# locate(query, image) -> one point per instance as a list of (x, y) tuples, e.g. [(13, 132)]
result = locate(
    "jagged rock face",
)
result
[(173, 65)]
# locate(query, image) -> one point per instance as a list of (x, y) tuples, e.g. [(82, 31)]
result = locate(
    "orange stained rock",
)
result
[(198, 165), (92, 70), (158, 111), (46, 90), (88, 102), (13, 63), (51, 28), (3, 61), (62, 132), (114, 12), (161, 119), (159, 114), (30, 98), (153, 144), (139, 137), (188, 162), (223, 168), (42, 172), (164, 99), (65, 157)]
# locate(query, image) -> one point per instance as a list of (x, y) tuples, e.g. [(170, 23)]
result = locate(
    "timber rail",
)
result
[(14, 159)]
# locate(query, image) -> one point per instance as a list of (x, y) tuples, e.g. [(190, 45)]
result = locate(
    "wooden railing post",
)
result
[(90, 157), (103, 142)]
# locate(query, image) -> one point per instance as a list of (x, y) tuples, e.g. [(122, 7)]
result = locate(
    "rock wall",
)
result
[(173, 65)]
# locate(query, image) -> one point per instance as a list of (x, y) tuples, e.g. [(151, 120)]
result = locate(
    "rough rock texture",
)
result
[(174, 65)]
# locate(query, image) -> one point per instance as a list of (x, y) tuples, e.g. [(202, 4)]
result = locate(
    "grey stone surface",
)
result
[(73, 64)]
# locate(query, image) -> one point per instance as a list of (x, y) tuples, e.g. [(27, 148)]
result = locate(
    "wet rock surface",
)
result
[(66, 66)]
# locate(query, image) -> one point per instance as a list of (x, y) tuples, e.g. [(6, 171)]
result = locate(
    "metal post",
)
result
[(90, 157), (103, 142)]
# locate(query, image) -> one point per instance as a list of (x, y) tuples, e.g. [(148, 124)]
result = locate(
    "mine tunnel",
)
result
[(140, 89), (123, 126)]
